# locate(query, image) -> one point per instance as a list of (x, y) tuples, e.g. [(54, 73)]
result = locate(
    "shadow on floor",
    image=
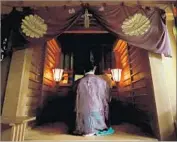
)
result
[(58, 131), (60, 109)]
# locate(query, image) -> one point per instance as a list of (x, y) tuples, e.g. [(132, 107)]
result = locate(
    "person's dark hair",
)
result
[(88, 68)]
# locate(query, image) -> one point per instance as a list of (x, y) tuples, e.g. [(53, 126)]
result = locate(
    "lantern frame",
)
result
[(116, 74), (57, 74)]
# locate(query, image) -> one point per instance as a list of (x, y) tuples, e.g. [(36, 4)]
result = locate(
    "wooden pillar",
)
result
[(5, 66), (170, 68), (66, 61), (72, 62), (17, 129), (61, 60), (17, 83), (165, 119), (18, 132)]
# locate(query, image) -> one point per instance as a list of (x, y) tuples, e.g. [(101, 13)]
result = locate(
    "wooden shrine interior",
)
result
[(134, 103)]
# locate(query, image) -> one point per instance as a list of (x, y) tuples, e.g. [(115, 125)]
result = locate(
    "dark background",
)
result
[(81, 45)]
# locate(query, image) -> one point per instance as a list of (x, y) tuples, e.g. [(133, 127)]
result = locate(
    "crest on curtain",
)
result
[(136, 25), (33, 26), (71, 11)]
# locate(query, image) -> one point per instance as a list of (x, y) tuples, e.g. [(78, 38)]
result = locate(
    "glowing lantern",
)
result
[(57, 73), (116, 74)]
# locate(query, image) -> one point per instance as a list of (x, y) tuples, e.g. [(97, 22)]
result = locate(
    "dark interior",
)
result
[(80, 45), (83, 45), (59, 107)]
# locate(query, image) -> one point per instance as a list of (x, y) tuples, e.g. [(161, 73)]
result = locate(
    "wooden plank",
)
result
[(34, 85), (118, 45), (32, 76), (125, 53), (138, 77), (32, 101), (48, 89), (126, 82), (51, 46), (124, 94), (56, 45), (135, 53), (45, 87), (125, 65), (86, 31), (32, 92), (36, 81), (34, 71), (52, 55), (48, 82), (142, 107), (52, 51), (136, 71), (126, 77), (47, 79), (16, 119), (126, 60), (123, 47), (130, 89), (141, 91), (48, 65), (30, 110), (48, 58)]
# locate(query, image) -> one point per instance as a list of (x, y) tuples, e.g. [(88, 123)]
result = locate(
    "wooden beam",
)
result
[(6, 6), (60, 3), (85, 32), (166, 130), (17, 83)]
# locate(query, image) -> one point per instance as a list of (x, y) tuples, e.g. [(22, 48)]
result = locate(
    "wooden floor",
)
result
[(58, 131)]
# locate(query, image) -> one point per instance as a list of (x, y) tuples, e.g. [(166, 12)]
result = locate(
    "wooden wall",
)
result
[(44, 59), (51, 61), (35, 81), (47, 105), (135, 87)]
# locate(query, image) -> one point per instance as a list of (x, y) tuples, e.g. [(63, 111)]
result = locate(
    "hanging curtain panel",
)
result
[(141, 27), (54, 21)]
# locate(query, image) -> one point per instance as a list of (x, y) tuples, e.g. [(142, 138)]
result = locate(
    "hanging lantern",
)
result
[(116, 74), (57, 73)]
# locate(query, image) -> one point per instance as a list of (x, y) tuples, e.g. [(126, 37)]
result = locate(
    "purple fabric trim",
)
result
[(111, 18)]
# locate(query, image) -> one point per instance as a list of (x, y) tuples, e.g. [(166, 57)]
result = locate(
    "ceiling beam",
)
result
[(6, 6), (92, 2), (86, 32)]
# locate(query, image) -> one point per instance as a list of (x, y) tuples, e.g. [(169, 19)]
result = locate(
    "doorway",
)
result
[(88, 48), (106, 50)]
